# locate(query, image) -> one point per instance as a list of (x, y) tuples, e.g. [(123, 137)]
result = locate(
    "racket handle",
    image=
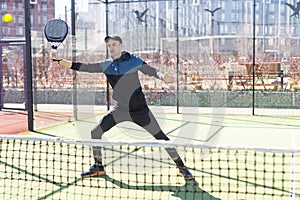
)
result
[(56, 60)]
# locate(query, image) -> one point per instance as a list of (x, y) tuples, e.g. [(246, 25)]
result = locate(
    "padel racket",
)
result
[(56, 30)]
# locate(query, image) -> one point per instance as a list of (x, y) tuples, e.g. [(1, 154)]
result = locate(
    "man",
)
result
[(121, 71), (8, 70)]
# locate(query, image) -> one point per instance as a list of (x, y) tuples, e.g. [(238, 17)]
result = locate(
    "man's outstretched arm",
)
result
[(84, 67), (151, 71)]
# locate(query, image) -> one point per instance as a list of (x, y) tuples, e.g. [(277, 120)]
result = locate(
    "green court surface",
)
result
[(219, 173), (245, 130)]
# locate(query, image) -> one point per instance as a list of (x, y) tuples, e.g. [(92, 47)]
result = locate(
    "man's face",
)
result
[(114, 48), (4, 58)]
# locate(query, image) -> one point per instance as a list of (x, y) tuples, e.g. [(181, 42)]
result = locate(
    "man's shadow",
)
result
[(189, 191)]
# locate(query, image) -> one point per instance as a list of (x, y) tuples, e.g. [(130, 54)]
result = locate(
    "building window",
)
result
[(235, 5), (20, 19), (4, 6), (234, 29), (222, 29), (270, 42), (222, 41), (225, 28), (45, 19), (195, 2), (19, 31), (45, 7), (20, 6), (234, 17), (272, 8)]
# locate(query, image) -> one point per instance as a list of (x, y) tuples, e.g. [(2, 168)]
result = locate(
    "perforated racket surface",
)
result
[(56, 30)]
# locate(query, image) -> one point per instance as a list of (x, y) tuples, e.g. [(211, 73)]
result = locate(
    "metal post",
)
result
[(107, 84), (281, 74), (73, 18), (177, 56), (28, 66), (253, 59), (1, 81), (35, 91)]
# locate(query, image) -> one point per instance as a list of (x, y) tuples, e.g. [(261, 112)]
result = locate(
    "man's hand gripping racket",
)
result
[(169, 78)]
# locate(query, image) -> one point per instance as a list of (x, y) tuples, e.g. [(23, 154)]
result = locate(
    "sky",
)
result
[(81, 6)]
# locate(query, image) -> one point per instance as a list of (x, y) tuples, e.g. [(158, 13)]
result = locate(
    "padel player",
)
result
[(121, 71)]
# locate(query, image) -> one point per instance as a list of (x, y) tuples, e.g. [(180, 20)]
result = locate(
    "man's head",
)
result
[(114, 44), (4, 57)]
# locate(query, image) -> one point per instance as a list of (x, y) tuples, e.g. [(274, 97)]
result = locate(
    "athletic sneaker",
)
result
[(95, 170), (183, 171)]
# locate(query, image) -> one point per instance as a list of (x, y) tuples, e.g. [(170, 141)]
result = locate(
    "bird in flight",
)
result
[(139, 15), (213, 11), (295, 9)]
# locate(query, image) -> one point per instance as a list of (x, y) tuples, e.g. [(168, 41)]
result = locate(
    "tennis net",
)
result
[(50, 168)]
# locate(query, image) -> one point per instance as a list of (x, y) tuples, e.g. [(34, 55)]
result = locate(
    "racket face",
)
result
[(56, 30)]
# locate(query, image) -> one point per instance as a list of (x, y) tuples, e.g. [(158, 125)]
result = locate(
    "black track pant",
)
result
[(142, 117)]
